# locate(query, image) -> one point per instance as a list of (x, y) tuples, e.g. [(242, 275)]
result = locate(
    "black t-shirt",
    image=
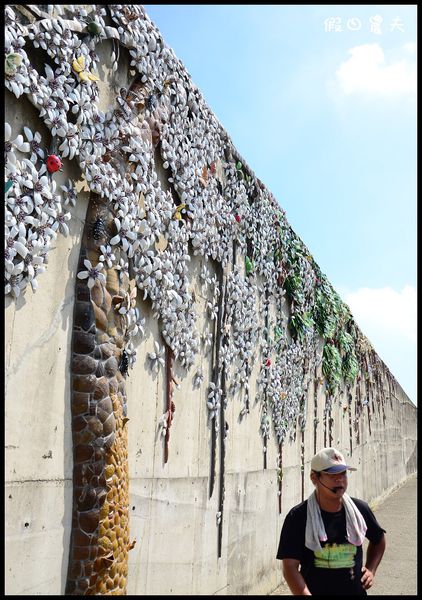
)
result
[(337, 568)]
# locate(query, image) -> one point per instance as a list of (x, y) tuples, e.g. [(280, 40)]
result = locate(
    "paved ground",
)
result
[(396, 575)]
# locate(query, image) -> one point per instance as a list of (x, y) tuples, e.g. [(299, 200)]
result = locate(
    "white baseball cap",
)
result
[(330, 460)]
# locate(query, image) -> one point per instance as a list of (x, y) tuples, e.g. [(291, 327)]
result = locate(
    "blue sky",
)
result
[(327, 120)]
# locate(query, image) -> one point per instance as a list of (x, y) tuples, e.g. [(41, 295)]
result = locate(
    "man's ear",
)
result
[(314, 477)]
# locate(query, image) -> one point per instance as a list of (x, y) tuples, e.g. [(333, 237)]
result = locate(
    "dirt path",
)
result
[(396, 575)]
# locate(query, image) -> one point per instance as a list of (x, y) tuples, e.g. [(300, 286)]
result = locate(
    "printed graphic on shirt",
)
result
[(335, 556)]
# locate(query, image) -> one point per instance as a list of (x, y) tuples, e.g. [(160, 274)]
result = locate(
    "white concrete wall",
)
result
[(172, 518)]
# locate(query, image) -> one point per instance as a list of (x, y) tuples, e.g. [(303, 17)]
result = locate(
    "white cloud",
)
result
[(366, 71), (410, 47), (385, 309), (388, 319)]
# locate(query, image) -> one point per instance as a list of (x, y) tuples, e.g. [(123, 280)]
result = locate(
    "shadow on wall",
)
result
[(412, 462), (76, 230)]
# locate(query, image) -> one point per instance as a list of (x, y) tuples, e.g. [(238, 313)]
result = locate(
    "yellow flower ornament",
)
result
[(78, 65), (177, 214)]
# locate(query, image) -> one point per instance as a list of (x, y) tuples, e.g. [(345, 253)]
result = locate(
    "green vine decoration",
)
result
[(350, 367), (242, 173), (293, 287), (327, 314), (299, 324), (345, 341), (293, 283), (326, 309), (331, 366)]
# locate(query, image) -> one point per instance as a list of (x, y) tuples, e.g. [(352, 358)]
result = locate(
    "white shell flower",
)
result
[(136, 324), (82, 106), (205, 275), (61, 219), (207, 340), (163, 423), (54, 81), (265, 425), (69, 195), (130, 354), (156, 357), (35, 89), (14, 246), (33, 264), (70, 145), (34, 144), (39, 39), (107, 256), (94, 176), (46, 229), (212, 310), (48, 104), (55, 121), (38, 270), (92, 273), (122, 268), (125, 236), (198, 378), (213, 401), (14, 281), (39, 184), (9, 144)]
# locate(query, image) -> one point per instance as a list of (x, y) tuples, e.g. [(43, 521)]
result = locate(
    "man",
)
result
[(323, 535)]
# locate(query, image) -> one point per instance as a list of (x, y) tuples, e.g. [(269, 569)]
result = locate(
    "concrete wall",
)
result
[(172, 517)]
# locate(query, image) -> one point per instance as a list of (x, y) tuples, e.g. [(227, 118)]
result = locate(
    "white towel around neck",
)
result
[(315, 530)]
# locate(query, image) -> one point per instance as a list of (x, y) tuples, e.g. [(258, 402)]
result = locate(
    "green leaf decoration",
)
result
[(292, 284), (12, 62), (300, 324), (7, 186), (331, 366), (278, 332), (350, 367), (326, 310), (345, 341), (248, 265)]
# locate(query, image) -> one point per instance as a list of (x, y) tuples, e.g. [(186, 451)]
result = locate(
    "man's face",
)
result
[(337, 481)]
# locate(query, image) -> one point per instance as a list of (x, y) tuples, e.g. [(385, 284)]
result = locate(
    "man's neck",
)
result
[(330, 505)]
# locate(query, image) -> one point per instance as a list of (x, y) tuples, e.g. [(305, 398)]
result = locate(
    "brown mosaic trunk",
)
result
[(98, 556)]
